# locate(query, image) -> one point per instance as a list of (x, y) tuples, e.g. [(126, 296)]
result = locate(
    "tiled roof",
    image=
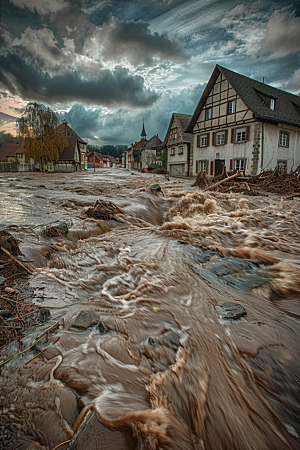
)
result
[(68, 153), (9, 150), (138, 145), (154, 143), (287, 105)]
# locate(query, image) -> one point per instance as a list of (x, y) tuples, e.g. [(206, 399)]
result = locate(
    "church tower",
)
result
[(143, 134)]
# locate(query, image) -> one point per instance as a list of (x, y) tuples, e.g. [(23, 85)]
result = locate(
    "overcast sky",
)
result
[(107, 64)]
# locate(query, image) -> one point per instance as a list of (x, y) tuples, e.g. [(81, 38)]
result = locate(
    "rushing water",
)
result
[(159, 369)]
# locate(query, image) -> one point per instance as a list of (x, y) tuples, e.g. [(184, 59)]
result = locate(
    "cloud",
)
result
[(294, 84), (85, 121), (109, 87), (282, 34), (41, 6), (117, 39)]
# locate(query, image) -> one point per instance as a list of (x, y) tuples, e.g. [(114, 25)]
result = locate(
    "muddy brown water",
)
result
[(157, 368)]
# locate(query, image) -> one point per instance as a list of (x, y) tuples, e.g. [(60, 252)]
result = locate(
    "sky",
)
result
[(105, 65)]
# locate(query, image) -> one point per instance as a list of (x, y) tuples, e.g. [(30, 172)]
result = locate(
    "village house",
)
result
[(177, 142), (143, 154), (245, 125), (72, 158), (97, 160)]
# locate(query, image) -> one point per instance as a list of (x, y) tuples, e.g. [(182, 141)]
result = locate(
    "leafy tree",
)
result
[(113, 150), (164, 157), (38, 126)]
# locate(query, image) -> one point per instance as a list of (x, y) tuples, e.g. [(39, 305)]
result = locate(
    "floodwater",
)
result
[(158, 368)]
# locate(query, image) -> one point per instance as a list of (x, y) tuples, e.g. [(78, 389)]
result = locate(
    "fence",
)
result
[(16, 167)]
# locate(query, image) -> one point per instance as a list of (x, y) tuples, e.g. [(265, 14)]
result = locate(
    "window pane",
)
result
[(203, 140), (220, 138), (231, 107), (240, 135), (283, 139)]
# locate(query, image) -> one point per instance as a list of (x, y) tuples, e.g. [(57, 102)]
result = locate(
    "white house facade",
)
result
[(245, 125), (177, 142)]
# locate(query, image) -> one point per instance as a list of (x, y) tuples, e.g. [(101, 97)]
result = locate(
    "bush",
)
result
[(160, 171)]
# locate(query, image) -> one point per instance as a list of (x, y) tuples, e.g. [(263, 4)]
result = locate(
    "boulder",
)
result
[(230, 310), (55, 229), (84, 320), (155, 188)]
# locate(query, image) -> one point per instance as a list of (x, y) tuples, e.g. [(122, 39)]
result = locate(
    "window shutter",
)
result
[(287, 139), (214, 139), (206, 167), (247, 133), (230, 164), (197, 166), (211, 167), (226, 137), (208, 136), (198, 141), (232, 135)]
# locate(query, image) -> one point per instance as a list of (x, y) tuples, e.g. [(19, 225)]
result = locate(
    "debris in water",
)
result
[(104, 210), (230, 310)]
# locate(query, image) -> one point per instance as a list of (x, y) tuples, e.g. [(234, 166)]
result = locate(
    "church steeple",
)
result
[(143, 134)]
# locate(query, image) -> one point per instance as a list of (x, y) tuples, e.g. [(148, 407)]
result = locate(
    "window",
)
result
[(231, 107), (272, 104), (172, 151), (180, 151), (239, 164), (202, 140), (208, 113), (19, 155), (201, 166), (240, 135), (81, 145), (220, 138), (284, 139)]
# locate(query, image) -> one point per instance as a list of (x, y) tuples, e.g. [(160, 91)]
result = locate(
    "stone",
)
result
[(2, 279), (102, 327), (104, 210), (151, 341), (2, 267), (10, 290), (230, 310), (55, 230), (182, 242), (155, 187), (85, 319), (5, 313), (43, 315)]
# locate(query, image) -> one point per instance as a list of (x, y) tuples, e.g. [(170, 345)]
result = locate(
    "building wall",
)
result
[(178, 158), (274, 152)]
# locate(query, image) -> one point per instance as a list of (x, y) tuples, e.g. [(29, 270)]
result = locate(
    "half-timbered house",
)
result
[(177, 142), (245, 125)]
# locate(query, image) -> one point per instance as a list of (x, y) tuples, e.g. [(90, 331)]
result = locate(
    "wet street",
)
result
[(146, 355)]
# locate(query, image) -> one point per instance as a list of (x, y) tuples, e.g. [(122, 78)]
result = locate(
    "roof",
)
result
[(68, 153), (64, 126), (287, 105), (182, 121), (154, 143), (138, 145), (9, 150)]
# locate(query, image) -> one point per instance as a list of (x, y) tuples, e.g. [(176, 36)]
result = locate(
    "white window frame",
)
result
[(180, 150), (220, 138), (203, 140), (172, 152), (208, 113), (240, 135), (19, 155), (239, 164), (272, 104), (231, 107), (202, 165), (283, 139)]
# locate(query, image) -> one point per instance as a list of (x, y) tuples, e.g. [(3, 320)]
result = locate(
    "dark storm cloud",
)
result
[(116, 40), (110, 87), (85, 121)]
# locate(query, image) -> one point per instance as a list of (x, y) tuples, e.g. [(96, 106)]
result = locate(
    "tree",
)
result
[(43, 139), (164, 157)]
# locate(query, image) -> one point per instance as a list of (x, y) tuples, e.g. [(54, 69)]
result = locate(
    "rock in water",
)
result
[(85, 319), (55, 230), (155, 187), (230, 310), (104, 210)]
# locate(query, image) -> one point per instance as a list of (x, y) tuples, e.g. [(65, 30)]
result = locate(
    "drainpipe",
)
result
[(262, 144), (188, 158)]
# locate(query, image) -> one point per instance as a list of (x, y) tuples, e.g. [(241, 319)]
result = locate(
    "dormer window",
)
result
[(231, 107), (272, 104)]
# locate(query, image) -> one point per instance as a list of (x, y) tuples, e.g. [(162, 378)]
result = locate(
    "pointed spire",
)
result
[(143, 134)]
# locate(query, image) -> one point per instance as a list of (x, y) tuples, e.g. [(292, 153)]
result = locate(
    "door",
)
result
[(219, 163), (177, 170)]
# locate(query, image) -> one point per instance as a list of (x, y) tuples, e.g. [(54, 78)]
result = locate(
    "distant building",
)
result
[(143, 154), (177, 142), (97, 160), (67, 131), (245, 125)]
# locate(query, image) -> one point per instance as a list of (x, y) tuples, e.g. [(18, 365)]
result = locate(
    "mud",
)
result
[(152, 364)]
